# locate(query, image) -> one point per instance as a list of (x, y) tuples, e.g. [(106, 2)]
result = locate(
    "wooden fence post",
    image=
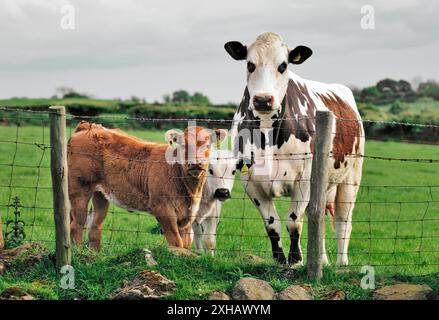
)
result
[(317, 203), (2, 242), (58, 168)]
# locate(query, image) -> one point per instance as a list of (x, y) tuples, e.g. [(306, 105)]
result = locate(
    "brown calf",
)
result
[(109, 165)]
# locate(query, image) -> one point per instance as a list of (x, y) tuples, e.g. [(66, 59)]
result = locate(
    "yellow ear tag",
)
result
[(297, 58), (244, 168), (218, 143)]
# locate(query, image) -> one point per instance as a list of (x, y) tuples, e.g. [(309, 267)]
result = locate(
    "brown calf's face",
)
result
[(191, 148)]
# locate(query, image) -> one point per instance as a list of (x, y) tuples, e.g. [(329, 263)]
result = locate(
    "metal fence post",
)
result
[(317, 203), (58, 168)]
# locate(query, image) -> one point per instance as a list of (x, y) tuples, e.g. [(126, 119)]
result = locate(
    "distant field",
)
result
[(393, 226)]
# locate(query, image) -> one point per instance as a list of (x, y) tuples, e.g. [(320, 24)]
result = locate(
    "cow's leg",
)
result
[(169, 227), (209, 225), (344, 205), (100, 209), (294, 220), (186, 235), (271, 220), (197, 228), (78, 214)]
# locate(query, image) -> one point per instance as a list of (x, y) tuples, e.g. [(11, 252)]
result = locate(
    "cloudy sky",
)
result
[(148, 48)]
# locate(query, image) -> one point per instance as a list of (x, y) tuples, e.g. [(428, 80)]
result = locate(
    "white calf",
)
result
[(218, 188)]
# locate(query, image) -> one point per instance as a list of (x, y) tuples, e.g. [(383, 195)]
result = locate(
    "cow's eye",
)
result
[(282, 67), (233, 172), (211, 171), (251, 67)]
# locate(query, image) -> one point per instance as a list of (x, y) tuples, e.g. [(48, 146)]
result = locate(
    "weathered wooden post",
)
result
[(58, 168), (2, 242), (317, 203)]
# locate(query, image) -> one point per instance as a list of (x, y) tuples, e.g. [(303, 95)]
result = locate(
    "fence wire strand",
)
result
[(393, 226)]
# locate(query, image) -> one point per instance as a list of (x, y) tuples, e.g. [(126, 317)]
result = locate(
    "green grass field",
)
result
[(394, 228)]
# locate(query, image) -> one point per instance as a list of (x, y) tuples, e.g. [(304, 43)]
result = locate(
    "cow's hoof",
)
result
[(280, 258), (294, 258), (296, 265), (342, 261)]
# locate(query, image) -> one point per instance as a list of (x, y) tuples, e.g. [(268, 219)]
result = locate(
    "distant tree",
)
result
[(199, 98), (181, 96), (167, 98), (430, 88), (135, 99), (67, 92)]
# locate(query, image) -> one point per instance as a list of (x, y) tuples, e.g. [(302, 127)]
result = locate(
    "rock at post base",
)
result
[(295, 292), (405, 291), (218, 295), (15, 293), (252, 289)]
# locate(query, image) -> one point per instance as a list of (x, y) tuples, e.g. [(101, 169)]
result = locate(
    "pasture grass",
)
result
[(395, 229)]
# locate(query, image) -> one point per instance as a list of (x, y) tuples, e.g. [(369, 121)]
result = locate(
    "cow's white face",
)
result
[(267, 75), (221, 174)]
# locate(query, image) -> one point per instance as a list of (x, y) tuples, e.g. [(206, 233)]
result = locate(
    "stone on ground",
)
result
[(334, 295), (149, 258), (405, 291), (148, 284), (27, 255), (15, 293), (218, 295), (295, 292), (252, 289)]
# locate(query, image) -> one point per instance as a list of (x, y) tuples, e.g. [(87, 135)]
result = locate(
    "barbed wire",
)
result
[(381, 223)]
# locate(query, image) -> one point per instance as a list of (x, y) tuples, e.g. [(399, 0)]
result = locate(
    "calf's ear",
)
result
[(299, 54), (173, 136), (236, 49)]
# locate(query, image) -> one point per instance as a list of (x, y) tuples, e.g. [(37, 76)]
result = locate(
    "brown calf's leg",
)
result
[(100, 209), (78, 215), (169, 227), (185, 234)]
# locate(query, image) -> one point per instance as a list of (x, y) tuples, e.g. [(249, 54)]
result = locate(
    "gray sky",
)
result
[(148, 48)]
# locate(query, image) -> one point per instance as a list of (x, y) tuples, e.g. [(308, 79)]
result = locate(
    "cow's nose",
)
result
[(263, 103), (222, 194)]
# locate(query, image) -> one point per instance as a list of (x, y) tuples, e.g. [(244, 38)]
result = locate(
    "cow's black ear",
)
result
[(236, 49), (299, 54)]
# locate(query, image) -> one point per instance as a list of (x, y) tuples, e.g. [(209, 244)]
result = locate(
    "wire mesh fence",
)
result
[(395, 220)]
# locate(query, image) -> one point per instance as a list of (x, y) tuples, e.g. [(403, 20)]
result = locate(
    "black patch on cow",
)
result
[(285, 173), (241, 163), (288, 121), (278, 253), (271, 220), (295, 255), (345, 164), (293, 216), (257, 202)]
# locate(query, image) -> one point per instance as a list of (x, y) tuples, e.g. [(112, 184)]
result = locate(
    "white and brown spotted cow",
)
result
[(273, 134)]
